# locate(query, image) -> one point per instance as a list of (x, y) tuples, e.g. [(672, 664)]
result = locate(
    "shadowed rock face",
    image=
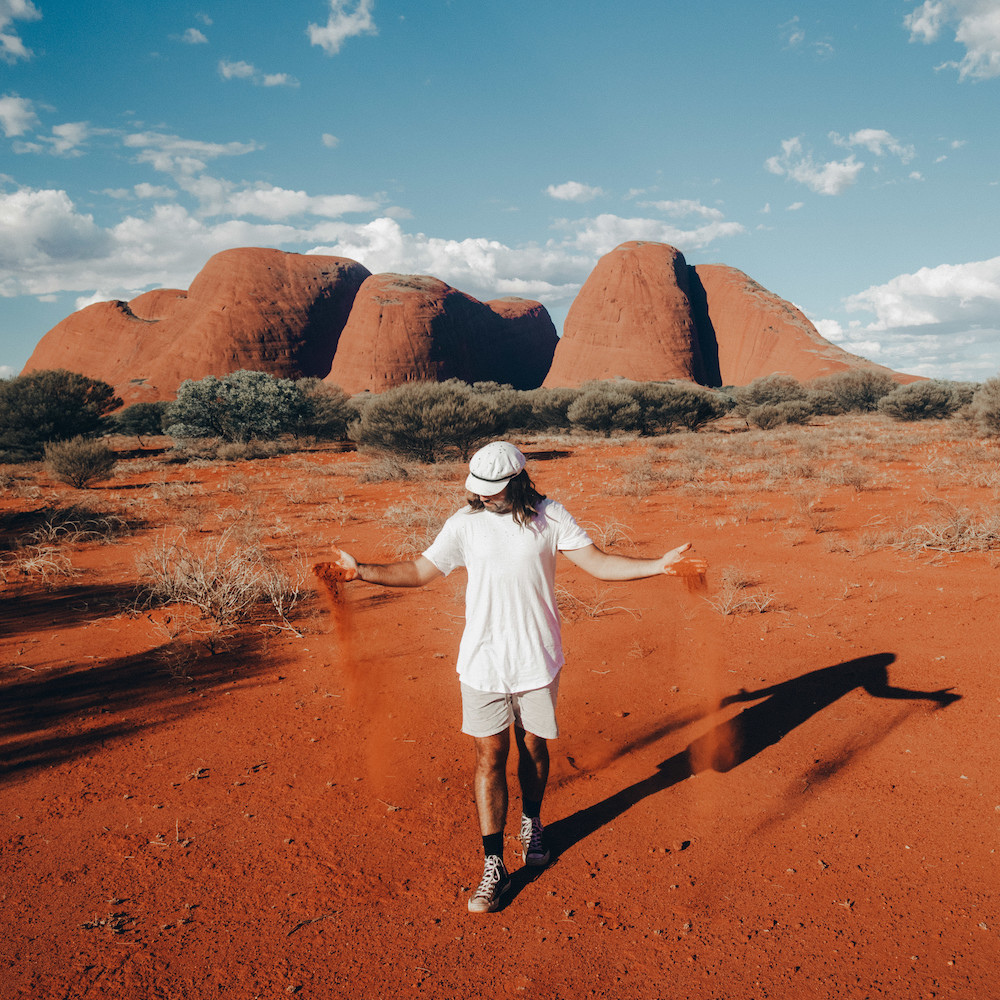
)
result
[(753, 332), (632, 319), (407, 328), (247, 308), (645, 314)]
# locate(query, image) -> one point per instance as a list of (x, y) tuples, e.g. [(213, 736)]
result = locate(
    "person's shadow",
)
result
[(737, 740)]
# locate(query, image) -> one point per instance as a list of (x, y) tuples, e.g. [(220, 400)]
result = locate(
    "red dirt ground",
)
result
[(774, 803)]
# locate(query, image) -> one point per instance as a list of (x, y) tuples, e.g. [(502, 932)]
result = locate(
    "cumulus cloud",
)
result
[(684, 207), (602, 233), (346, 20), (793, 34), (573, 191), (795, 162), (171, 154), (247, 71), (194, 37), (328, 140), (12, 48), (977, 29), (877, 141), (17, 114), (941, 322)]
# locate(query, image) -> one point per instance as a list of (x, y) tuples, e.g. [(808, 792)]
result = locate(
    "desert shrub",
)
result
[(140, 419), (513, 405), (985, 407), (931, 400), (50, 405), (604, 407), (769, 390), (239, 406), (824, 403), (428, 420), (79, 461), (546, 408), (680, 404), (769, 415), (327, 410), (859, 389)]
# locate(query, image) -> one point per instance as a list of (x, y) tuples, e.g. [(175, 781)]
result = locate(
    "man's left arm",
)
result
[(608, 566)]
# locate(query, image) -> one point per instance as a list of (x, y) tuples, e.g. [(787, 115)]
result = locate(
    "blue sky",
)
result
[(847, 157)]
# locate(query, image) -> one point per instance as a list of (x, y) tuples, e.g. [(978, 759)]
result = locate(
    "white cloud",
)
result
[(11, 46), (977, 29), (343, 23), (154, 191), (268, 202), (67, 139), (204, 19), (683, 207), (833, 177), (330, 141), (795, 206), (940, 321), (236, 70), (7, 372), (573, 191), (876, 141), (194, 37), (17, 114), (247, 71), (179, 157), (602, 233)]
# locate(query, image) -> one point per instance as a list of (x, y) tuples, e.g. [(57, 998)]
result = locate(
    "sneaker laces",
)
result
[(531, 834), (493, 872)]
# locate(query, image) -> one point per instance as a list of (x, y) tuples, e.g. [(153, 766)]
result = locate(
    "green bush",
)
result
[(931, 400), (140, 419), (240, 406), (768, 390), (79, 461), (327, 411), (858, 390), (546, 408), (50, 405), (429, 420), (769, 415), (605, 408), (985, 407)]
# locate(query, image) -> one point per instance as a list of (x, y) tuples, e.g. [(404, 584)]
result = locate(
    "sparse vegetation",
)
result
[(48, 406), (79, 461)]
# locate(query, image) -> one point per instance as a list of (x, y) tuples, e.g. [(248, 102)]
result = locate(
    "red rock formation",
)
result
[(247, 308), (411, 328), (632, 319), (758, 333)]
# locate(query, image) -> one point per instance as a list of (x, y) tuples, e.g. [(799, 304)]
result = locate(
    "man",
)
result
[(511, 653)]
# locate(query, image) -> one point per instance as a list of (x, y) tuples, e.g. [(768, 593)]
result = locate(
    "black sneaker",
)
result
[(535, 852), (496, 881)]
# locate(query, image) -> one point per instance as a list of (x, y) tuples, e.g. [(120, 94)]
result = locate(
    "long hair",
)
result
[(523, 497)]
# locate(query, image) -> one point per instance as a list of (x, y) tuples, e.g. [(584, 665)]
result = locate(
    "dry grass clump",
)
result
[(573, 608), (417, 522), (954, 529), (740, 593), (218, 583), (609, 534)]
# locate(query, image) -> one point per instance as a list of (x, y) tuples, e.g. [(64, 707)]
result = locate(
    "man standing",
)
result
[(509, 659)]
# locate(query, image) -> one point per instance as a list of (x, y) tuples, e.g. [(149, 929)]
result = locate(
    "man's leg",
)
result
[(533, 774), (490, 782), (490, 786)]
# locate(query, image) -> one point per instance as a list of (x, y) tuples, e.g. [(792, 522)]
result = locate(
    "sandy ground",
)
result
[(781, 788)]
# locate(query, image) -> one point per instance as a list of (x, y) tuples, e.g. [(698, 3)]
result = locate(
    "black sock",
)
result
[(531, 809), (493, 844)]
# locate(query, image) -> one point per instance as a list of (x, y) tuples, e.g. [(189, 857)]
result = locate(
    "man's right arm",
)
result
[(410, 573)]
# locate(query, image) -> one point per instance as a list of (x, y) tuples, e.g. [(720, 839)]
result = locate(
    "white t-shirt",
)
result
[(512, 640)]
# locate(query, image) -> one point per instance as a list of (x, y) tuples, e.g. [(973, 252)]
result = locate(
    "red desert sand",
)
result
[(781, 786)]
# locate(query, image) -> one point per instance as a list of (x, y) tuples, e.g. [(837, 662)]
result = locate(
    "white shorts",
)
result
[(486, 713)]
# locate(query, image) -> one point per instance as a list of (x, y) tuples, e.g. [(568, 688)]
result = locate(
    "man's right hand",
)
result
[(345, 563)]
